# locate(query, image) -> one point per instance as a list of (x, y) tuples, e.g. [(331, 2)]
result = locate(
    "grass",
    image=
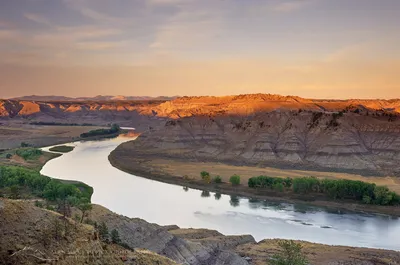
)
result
[(62, 149)]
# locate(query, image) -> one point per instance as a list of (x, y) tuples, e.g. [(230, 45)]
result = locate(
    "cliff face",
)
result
[(309, 140)]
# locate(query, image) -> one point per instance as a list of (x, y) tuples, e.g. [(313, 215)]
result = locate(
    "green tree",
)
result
[(204, 173), (217, 179), (115, 237), (290, 253), (103, 232), (85, 206), (235, 180)]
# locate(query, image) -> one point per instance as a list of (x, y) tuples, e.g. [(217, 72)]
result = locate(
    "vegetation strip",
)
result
[(367, 193), (99, 132), (62, 149)]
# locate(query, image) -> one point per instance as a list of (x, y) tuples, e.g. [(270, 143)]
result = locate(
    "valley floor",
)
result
[(187, 173)]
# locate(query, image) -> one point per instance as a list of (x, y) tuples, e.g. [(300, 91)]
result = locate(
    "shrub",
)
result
[(217, 179), (23, 144), (29, 153), (290, 254), (115, 237), (204, 174), (235, 180), (278, 187), (8, 156), (39, 204)]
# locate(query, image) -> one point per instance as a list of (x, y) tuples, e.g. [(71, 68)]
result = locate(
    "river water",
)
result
[(166, 204)]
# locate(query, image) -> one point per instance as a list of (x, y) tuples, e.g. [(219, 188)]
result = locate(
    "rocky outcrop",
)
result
[(137, 233)]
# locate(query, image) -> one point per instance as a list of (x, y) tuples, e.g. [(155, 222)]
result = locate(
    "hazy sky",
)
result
[(310, 48)]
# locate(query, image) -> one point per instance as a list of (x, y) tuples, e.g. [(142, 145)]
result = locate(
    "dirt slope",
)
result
[(27, 236)]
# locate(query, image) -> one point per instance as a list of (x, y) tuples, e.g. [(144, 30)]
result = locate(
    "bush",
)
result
[(39, 204), (290, 254), (23, 144), (115, 237), (29, 153), (235, 180), (205, 176), (8, 156), (217, 179)]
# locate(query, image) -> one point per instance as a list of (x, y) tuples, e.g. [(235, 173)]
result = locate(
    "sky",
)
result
[(308, 48)]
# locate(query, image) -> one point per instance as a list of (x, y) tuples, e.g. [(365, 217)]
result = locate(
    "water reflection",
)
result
[(185, 188), (205, 194), (234, 201), (217, 196)]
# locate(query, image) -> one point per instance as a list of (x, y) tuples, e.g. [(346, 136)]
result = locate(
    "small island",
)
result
[(62, 148)]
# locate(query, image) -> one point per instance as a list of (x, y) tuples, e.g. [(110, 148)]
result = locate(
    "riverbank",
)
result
[(150, 167)]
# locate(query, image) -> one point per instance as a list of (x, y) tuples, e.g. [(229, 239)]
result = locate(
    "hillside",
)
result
[(32, 235), (359, 136), (347, 142)]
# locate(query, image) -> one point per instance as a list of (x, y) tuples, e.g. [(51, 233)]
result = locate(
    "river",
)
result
[(167, 204)]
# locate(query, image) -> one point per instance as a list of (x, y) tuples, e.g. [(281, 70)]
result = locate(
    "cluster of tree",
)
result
[(112, 237), (113, 130), (59, 123), (207, 177), (29, 153), (16, 178), (234, 180), (274, 183), (368, 193)]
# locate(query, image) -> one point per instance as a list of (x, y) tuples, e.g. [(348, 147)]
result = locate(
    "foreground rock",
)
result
[(137, 233)]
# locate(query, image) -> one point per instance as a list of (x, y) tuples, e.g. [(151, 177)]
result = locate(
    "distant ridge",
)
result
[(96, 98)]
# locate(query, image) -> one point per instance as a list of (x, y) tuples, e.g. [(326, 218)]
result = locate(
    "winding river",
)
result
[(166, 204)]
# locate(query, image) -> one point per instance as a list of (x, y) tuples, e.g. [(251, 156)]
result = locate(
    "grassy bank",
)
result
[(20, 177), (62, 149), (139, 166)]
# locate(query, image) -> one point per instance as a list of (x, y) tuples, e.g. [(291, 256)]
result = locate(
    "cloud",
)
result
[(37, 18), (289, 6)]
